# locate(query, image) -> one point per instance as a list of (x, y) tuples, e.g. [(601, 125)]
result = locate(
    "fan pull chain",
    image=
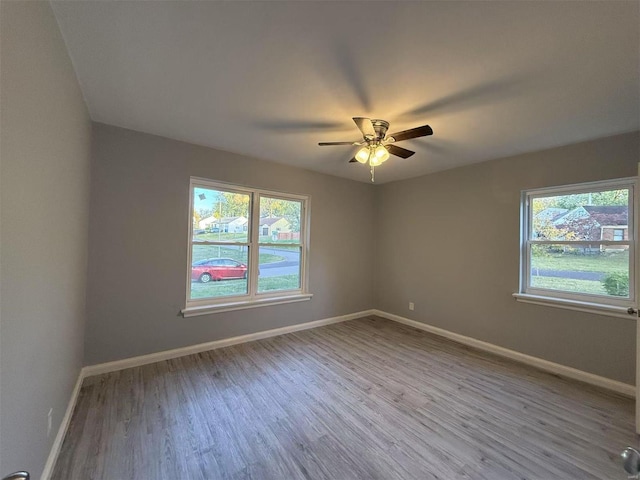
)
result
[(373, 174)]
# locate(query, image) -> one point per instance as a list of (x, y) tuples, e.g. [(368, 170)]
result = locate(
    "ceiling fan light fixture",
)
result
[(363, 155), (381, 154), (377, 146)]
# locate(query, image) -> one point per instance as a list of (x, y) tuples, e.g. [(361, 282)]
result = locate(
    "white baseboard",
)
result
[(62, 430), (556, 368), (203, 347)]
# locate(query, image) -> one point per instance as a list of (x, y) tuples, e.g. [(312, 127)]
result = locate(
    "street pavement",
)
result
[(289, 266)]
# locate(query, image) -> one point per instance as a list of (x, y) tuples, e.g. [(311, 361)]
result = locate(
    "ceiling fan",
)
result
[(377, 145)]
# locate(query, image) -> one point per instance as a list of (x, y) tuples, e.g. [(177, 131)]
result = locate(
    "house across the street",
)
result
[(591, 222), (225, 224), (271, 225)]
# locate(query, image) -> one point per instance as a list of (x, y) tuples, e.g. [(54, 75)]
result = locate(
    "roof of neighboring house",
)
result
[(225, 220), (609, 215), (551, 213), (271, 220)]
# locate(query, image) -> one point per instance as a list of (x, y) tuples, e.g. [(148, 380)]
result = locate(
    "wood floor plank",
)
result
[(364, 399)]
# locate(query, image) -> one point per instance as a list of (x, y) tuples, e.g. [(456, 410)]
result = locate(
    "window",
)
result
[(247, 247), (578, 244)]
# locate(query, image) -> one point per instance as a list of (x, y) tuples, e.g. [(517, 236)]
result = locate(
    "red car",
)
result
[(217, 269)]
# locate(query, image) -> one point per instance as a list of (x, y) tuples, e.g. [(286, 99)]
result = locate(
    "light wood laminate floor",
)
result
[(363, 399)]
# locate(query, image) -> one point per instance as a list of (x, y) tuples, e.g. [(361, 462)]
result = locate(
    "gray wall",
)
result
[(45, 147), (450, 243), (138, 244), (446, 241)]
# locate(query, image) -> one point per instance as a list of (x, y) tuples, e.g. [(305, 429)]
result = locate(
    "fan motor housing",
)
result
[(380, 127)]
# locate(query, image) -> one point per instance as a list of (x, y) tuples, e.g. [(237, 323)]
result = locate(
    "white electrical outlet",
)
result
[(49, 421), (411, 306)]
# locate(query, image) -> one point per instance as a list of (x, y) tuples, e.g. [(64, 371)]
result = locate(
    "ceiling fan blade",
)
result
[(412, 133), (366, 126), (399, 151), (328, 144), (353, 160)]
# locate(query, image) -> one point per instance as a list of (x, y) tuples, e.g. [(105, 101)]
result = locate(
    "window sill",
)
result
[(241, 305), (588, 307)]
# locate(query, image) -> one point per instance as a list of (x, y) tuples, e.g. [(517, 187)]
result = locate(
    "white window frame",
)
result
[(252, 298), (591, 303)]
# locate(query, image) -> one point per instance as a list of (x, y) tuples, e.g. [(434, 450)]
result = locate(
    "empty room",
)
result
[(319, 240)]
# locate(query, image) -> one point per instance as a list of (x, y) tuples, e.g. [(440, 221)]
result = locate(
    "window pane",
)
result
[(618, 234), (595, 269), (279, 268), (584, 216), (220, 216), (279, 220), (218, 271)]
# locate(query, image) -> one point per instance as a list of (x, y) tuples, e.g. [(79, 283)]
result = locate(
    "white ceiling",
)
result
[(271, 79)]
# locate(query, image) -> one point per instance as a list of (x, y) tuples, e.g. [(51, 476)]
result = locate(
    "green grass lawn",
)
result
[(606, 262), (227, 288), (568, 285), (238, 237), (200, 252), (221, 237), (281, 282)]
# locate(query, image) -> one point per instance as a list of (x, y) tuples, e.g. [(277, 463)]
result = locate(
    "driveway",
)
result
[(289, 266), (575, 275)]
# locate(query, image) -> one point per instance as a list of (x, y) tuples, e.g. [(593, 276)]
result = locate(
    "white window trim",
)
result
[(244, 304), (253, 298), (587, 307), (596, 304)]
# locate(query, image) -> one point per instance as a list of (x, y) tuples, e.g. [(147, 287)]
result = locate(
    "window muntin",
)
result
[(570, 249), (245, 244)]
